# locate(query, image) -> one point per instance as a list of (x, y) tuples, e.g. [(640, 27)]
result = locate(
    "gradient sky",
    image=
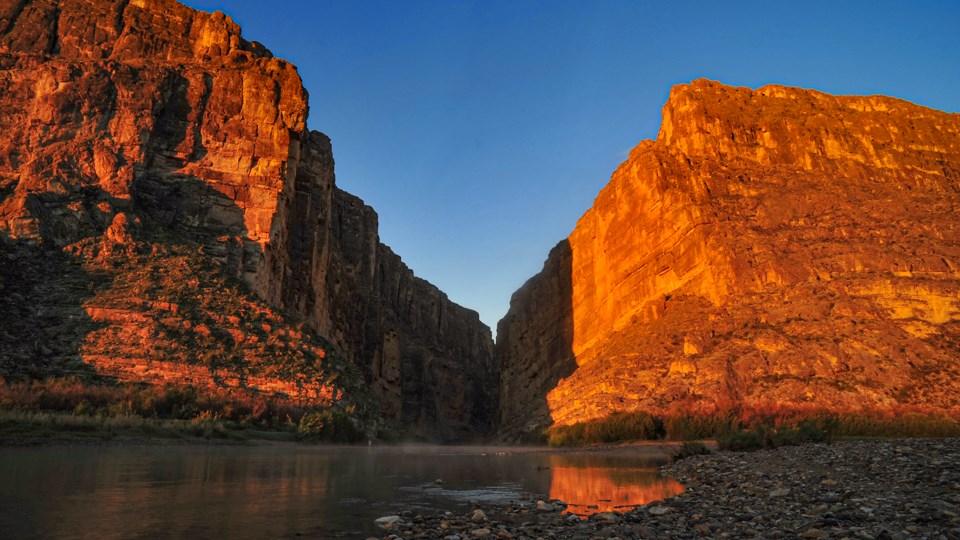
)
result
[(480, 131)]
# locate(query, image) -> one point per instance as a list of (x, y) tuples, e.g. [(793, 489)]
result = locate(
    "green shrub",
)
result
[(566, 435), (618, 427), (330, 425), (688, 449), (739, 441), (693, 427), (767, 434), (908, 424)]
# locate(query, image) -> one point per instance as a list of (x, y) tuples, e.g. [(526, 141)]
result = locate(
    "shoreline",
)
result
[(890, 489)]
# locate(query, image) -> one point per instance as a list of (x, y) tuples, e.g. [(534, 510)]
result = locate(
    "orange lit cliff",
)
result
[(776, 247), (152, 161)]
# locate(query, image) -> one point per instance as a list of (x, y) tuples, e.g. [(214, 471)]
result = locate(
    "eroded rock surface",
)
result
[(168, 117), (775, 247)]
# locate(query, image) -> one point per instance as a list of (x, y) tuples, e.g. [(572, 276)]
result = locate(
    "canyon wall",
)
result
[(776, 247), (157, 115)]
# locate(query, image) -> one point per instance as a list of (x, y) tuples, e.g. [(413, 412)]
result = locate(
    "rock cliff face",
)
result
[(776, 247), (169, 118)]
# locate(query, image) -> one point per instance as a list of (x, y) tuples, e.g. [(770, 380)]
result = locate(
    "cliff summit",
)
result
[(774, 249), (144, 135)]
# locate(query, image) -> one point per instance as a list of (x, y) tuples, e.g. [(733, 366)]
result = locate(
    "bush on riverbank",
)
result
[(71, 405), (756, 428), (688, 449), (329, 425), (906, 424), (694, 427), (58, 425), (770, 435), (617, 427)]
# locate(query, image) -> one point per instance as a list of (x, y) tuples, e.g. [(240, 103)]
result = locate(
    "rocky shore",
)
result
[(863, 489)]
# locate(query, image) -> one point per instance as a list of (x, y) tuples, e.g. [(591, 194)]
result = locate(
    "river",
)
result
[(287, 491)]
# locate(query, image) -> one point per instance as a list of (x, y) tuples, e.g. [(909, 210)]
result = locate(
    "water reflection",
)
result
[(284, 492), (604, 484)]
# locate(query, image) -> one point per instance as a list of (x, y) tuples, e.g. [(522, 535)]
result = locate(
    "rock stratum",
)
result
[(167, 216), (772, 249)]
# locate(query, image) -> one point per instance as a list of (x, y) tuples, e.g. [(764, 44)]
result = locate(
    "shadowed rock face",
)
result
[(776, 247), (168, 116)]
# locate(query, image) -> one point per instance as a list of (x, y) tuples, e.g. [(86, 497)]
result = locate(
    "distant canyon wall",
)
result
[(168, 115), (776, 247)]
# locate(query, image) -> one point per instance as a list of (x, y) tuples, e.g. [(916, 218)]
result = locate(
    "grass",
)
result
[(619, 426), (54, 425), (70, 407), (688, 449), (754, 429)]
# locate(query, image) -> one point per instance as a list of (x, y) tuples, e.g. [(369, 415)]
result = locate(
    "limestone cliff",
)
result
[(776, 247), (156, 114)]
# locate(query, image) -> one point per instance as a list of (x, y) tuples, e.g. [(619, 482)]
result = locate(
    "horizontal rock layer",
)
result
[(167, 115), (774, 248)]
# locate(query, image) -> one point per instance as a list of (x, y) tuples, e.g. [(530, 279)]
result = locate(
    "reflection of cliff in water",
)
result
[(604, 487)]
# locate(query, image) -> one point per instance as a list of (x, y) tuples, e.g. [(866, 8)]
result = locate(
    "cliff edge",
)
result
[(167, 123), (775, 249)]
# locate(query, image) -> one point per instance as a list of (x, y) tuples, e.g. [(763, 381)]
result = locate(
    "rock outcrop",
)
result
[(147, 121), (772, 248)]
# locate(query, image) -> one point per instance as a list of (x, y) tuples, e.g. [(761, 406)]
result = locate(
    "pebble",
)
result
[(606, 517), (386, 522), (545, 507), (855, 489)]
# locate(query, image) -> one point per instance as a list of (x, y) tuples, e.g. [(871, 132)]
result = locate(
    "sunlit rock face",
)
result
[(170, 117), (776, 247)]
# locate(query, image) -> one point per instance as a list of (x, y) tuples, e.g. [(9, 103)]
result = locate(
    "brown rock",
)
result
[(771, 248)]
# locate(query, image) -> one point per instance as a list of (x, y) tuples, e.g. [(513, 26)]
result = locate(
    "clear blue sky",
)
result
[(481, 130)]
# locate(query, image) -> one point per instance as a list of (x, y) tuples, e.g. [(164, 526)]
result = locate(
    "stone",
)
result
[(386, 522), (480, 533), (659, 510), (545, 507), (782, 492), (770, 246), (478, 516)]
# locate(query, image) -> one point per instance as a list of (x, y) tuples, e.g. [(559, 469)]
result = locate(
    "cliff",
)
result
[(772, 248), (152, 114)]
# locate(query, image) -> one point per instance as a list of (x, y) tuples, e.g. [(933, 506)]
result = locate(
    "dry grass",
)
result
[(768, 426), (70, 406)]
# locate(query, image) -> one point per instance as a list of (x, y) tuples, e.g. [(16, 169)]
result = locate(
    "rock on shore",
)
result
[(866, 490)]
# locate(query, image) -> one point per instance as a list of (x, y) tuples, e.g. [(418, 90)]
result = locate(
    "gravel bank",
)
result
[(867, 490)]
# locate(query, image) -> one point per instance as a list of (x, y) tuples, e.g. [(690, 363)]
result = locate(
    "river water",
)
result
[(288, 491)]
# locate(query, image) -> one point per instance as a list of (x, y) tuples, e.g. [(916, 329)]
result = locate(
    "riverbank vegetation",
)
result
[(751, 429), (71, 408)]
